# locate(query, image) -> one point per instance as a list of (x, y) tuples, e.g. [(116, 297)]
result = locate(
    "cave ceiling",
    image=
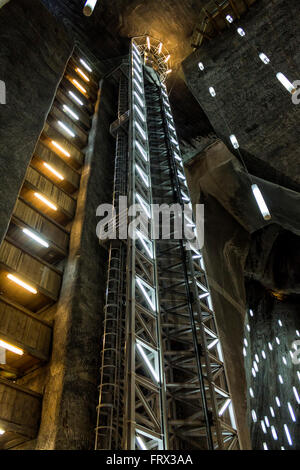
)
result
[(108, 30)]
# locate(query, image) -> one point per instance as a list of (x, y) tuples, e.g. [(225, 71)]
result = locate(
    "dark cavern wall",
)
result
[(34, 53)]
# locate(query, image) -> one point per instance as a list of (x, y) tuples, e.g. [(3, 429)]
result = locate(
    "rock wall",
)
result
[(259, 111), (251, 264), (33, 55)]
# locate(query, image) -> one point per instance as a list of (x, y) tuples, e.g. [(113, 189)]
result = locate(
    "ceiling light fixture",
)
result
[(21, 283), (89, 7)]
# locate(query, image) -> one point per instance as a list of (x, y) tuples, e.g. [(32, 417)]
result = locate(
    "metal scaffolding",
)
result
[(163, 383)]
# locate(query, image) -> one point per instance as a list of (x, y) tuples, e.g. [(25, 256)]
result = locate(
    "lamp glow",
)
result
[(82, 74), (234, 141), (287, 432), (141, 443), (32, 235), (212, 91), (168, 71), (66, 129), (201, 66), (241, 32), (224, 407), (10, 347), (142, 133), (70, 112), (75, 98), (50, 168), (61, 149), (80, 87), (45, 201), (2, 432), (144, 356), (89, 7), (264, 58), (167, 58), (261, 202), (229, 19), (86, 66), (286, 83), (22, 284)]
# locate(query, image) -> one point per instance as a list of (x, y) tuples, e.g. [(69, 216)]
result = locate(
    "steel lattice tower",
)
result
[(163, 382)]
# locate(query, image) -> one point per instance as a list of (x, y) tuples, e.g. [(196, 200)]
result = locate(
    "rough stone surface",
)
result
[(31, 65), (259, 111), (248, 262)]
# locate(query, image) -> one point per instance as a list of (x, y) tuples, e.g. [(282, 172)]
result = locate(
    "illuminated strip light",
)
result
[(229, 19), (261, 202), (142, 133), (254, 417), (274, 433), (263, 427), (61, 149), (272, 412), (287, 432), (167, 59), (141, 285), (148, 43), (160, 47), (144, 356), (75, 98), (143, 175), (82, 74), (141, 443), (241, 32), (296, 395), (86, 66), (22, 283), (144, 205), (135, 47), (137, 65), (265, 446), (138, 75), (286, 83), (138, 98), (45, 201), (213, 343), (50, 168), (137, 56), (66, 129), (264, 58), (278, 402), (10, 347), (32, 235), (138, 86), (70, 112), (169, 71), (145, 245), (224, 407), (267, 421), (80, 87), (89, 7), (139, 112), (292, 412), (141, 150)]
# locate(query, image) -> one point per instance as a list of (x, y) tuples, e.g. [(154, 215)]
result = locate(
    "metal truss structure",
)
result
[(163, 382)]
